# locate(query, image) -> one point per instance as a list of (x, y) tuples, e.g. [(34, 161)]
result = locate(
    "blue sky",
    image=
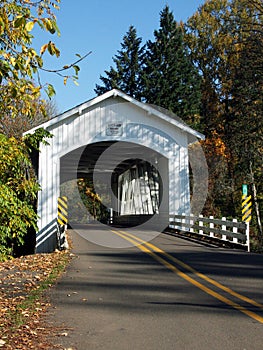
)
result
[(99, 26)]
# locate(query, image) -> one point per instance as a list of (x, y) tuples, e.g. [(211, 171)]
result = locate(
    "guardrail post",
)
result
[(235, 230), (211, 225), (201, 223), (183, 222), (191, 223), (224, 229), (111, 216), (62, 221), (247, 234), (171, 220)]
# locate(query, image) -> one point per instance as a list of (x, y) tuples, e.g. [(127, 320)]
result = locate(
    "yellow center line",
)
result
[(199, 274), (134, 240)]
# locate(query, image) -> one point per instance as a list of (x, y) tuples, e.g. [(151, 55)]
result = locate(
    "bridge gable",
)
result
[(115, 104)]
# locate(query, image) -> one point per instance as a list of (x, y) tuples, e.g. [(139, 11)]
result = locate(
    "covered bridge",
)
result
[(138, 150)]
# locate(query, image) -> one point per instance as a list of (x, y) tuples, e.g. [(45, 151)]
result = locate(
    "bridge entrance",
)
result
[(126, 178), (132, 156)]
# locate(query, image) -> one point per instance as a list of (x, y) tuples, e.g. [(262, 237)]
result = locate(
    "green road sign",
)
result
[(244, 190)]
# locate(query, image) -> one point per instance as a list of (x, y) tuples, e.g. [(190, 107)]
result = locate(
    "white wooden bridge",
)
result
[(140, 150)]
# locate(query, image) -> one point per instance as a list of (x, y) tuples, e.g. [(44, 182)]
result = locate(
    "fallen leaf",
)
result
[(2, 342), (18, 278)]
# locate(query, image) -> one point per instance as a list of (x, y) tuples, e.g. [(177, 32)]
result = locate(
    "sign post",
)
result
[(62, 220), (246, 204), (246, 211)]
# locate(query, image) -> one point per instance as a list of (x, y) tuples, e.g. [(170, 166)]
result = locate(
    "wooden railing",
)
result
[(219, 229)]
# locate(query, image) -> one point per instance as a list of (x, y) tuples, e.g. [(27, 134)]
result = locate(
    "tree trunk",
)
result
[(254, 194)]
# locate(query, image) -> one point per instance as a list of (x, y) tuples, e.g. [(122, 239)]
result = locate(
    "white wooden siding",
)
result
[(86, 126)]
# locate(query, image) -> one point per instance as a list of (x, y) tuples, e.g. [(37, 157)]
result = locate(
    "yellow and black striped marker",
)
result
[(246, 208), (62, 211)]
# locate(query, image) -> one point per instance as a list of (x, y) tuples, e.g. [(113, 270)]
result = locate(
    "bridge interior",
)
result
[(129, 178)]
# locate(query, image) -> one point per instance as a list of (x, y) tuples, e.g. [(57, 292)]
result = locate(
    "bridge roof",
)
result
[(157, 111)]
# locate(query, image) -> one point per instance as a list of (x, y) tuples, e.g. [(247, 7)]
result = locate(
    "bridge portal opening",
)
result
[(116, 183)]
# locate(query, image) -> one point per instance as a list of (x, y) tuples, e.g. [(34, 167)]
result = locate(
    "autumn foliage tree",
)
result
[(22, 106), (18, 191), (20, 63)]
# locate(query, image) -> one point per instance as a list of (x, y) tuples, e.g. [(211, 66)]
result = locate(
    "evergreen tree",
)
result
[(170, 80), (126, 76)]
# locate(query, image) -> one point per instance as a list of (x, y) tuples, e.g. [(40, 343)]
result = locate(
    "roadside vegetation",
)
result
[(23, 301)]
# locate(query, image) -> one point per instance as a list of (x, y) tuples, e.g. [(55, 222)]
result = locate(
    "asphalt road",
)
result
[(166, 294)]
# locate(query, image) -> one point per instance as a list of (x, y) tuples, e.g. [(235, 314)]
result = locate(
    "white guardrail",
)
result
[(222, 229)]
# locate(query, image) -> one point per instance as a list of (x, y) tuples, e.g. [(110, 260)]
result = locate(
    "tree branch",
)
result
[(57, 71)]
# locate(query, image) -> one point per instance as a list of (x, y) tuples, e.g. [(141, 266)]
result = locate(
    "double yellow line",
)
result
[(169, 261)]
